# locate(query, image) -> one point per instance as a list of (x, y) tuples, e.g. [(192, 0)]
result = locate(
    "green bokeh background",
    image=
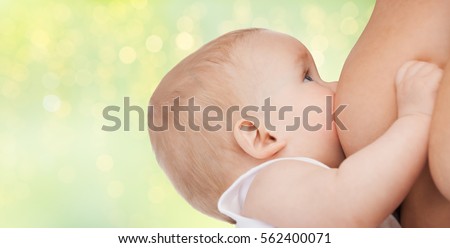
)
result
[(62, 62)]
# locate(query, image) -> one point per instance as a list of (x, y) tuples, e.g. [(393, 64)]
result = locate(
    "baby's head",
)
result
[(244, 98)]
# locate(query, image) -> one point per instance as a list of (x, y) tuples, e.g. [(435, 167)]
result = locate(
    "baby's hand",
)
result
[(417, 83)]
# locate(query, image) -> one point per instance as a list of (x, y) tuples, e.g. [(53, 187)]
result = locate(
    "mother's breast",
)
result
[(398, 31)]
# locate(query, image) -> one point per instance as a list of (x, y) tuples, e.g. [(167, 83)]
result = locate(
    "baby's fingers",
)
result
[(409, 69), (401, 73), (434, 77)]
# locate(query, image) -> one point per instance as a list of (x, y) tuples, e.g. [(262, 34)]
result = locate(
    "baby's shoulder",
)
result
[(284, 185)]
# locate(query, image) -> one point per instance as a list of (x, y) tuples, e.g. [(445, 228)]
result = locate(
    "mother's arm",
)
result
[(439, 150), (398, 31)]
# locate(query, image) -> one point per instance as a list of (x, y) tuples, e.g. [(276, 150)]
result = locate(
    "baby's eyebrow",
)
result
[(301, 58), (300, 62)]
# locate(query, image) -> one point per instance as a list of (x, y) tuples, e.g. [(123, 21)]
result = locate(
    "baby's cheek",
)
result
[(314, 117)]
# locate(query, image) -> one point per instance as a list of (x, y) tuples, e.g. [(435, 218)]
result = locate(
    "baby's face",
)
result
[(285, 72)]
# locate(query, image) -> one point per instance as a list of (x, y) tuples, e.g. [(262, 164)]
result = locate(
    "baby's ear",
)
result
[(256, 141)]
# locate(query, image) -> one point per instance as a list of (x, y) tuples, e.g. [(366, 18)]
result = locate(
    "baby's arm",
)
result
[(368, 185)]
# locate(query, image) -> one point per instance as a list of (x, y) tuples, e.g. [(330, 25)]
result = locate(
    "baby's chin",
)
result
[(333, 154), (328, 149)]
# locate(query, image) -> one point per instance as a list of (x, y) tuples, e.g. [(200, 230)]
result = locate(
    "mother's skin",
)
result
[(398, 31)]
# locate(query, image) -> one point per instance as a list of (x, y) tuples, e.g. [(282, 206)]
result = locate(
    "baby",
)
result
[(266, 167)]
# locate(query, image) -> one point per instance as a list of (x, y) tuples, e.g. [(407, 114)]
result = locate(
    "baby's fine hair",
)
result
[(196, 161)]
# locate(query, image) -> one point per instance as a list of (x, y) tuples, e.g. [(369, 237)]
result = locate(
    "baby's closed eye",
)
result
[(307, 79)]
